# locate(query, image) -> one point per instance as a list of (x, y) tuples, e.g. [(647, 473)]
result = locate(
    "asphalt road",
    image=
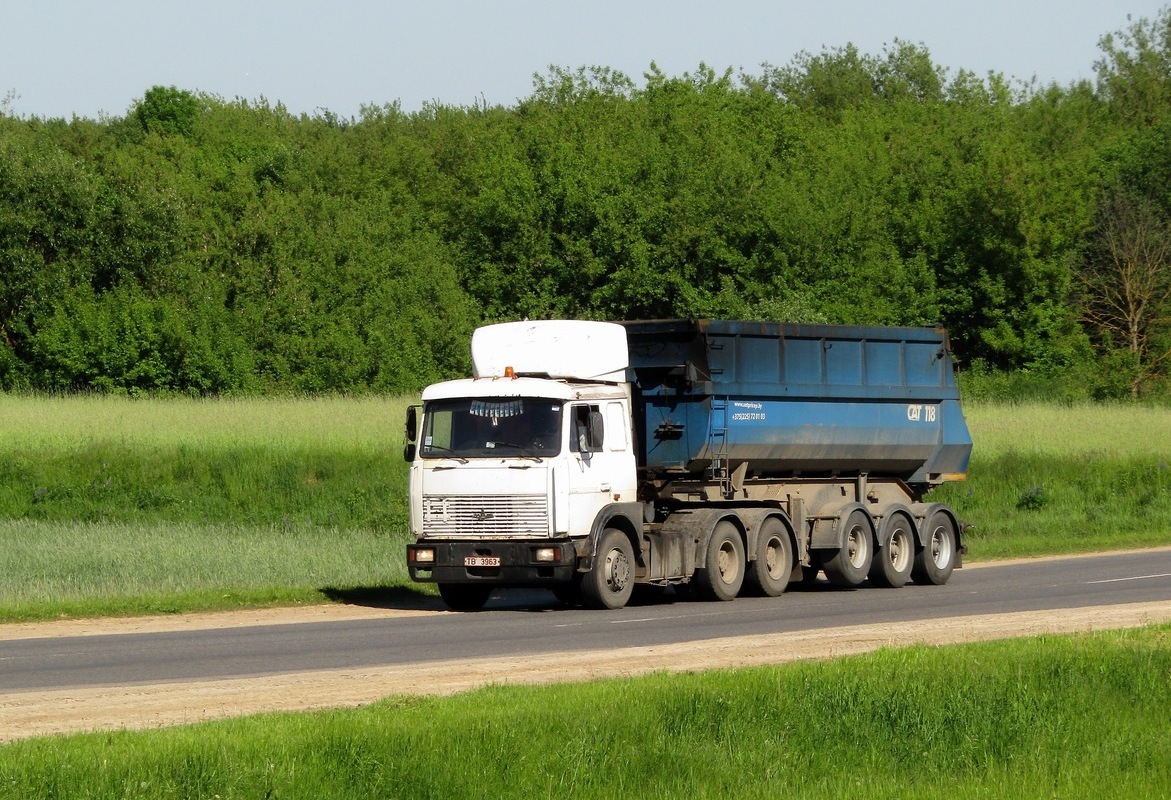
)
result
[(519, 623)]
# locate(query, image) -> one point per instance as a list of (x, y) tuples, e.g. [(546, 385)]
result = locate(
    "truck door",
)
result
[(602, 462)]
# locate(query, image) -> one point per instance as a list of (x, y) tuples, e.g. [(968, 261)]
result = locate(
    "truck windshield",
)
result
[(492, 427)]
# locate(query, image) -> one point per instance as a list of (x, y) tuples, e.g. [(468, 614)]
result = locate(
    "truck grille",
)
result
[(486, 515)]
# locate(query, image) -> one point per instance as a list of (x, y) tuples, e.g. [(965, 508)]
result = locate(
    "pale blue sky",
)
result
[(86, 57)]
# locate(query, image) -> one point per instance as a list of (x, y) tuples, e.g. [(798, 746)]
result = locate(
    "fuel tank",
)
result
[(783, 399)]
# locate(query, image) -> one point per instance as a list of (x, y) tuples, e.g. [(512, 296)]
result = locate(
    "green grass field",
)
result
[(1049, 479), (1068, 717), (121, 505)]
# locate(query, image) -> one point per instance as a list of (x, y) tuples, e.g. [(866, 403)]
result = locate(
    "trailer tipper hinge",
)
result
[(669, 430)]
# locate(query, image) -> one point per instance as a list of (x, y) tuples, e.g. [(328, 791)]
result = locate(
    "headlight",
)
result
[(423, 555), (548, 554)]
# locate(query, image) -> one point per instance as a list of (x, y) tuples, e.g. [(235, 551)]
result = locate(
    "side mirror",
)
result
[(412, 423), (597, 431), (412, 432), (588, 430)]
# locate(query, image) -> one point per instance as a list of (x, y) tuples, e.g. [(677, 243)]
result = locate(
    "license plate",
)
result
[(481, 561)]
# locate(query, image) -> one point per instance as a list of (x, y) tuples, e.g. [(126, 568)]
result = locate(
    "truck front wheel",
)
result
[(464, 596), (610, 581), (723, 572)]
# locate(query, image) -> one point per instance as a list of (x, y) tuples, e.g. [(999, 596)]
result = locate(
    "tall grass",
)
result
[(65, 422), (1111, 430), (1066, 717), (1047, 478), (335, 462), (130, 505), (88, 569)]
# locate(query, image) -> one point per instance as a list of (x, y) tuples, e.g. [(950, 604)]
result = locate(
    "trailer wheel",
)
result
[(773, 562), (850, 564), (723, 574), (464, 596), (893, 563), (610, 581), (937, 558)]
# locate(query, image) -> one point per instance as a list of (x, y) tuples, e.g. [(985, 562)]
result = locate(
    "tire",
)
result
[(936, 559), (893, 563), (610, 581), (772, 563), (850, 564), (723, 574), (464, 596)]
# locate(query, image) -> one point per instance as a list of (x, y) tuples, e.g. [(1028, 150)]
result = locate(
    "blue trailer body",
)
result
[(779, 399)]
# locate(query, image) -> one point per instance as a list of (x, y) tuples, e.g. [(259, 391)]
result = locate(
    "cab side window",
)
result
[(616, 419)]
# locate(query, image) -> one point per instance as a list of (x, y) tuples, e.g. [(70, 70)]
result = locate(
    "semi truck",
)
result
[(716, 456)]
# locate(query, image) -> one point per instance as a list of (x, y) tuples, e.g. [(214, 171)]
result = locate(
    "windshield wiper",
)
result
[(524, 451), (451, 453)]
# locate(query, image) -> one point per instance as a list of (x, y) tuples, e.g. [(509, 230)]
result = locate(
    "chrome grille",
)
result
[(486, 515)]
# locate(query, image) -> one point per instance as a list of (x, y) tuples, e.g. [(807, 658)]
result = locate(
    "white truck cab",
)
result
[(512, 470)]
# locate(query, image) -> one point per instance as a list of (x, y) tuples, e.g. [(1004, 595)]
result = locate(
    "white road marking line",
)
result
[(1135, 578)]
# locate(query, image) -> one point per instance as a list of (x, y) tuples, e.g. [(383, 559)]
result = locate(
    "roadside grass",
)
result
[(114, 505), (1048, 479), (332, 461), (92, 569), (1058, 716), (65, 422)]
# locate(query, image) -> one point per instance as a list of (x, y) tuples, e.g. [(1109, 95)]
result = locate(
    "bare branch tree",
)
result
[(1127, 281)]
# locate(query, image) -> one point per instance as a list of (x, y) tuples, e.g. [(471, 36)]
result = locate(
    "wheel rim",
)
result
[(729, 565), (773, 553), (617, 570), (940, 547), (856, 545), (899, 551)]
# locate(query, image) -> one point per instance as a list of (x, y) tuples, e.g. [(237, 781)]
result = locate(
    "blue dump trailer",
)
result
[(716, 456), (799, 400)]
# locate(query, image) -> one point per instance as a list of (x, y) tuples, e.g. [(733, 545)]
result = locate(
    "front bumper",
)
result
[(520, 563)]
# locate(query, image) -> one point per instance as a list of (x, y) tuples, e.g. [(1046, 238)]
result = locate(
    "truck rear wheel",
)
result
[(723, 572), (937, 558), (850, 564), (893, 563), (464, 596), (610, 581), (773, 561)]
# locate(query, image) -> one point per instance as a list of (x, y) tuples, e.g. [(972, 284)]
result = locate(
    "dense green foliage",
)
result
[(1051, 717), (205, 246)]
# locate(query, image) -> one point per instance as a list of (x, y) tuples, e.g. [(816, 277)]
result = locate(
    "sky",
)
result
[(89, 58)]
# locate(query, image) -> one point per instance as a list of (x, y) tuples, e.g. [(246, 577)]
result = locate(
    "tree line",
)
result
[(207, 246)]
